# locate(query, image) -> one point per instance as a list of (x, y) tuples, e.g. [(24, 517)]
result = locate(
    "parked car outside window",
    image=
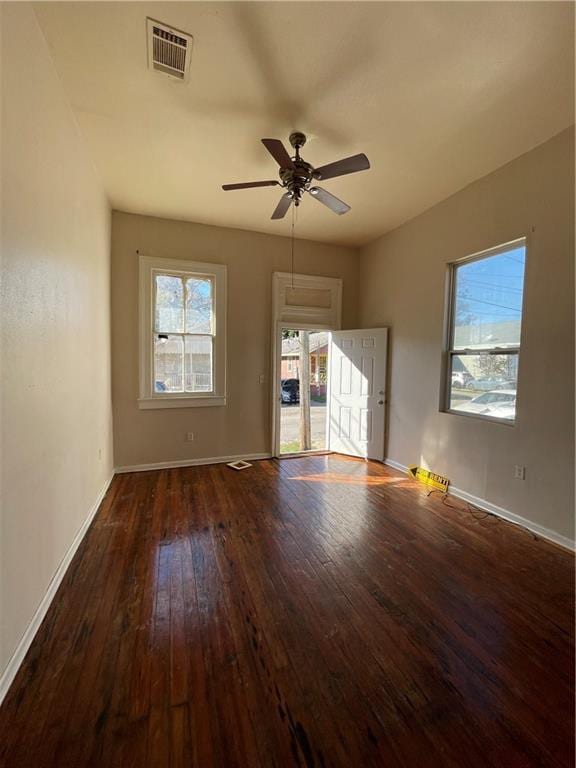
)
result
[(290, 391), (460, 378), (489, 384), (500, 404)]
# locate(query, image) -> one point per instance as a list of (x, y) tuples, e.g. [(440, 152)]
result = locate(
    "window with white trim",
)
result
[(486, 294), (182, 333)]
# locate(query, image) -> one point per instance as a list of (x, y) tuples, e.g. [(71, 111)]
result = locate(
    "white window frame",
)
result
[(449, 351), (148, 397)]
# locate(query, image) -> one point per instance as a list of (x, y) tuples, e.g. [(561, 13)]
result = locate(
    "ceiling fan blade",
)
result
[(329, 200), (278, 152), (282, 207), (342, 167), (250, 184)]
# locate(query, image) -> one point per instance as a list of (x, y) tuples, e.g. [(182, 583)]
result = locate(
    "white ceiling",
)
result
[(436, 94)]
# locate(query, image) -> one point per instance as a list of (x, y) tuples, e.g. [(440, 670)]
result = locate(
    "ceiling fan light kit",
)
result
[(296, 176)]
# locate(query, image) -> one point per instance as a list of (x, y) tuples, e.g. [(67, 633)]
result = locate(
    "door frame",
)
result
[(280, 326)]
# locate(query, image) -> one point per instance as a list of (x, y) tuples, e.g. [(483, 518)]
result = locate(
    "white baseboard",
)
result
[(539, 530), (26, 641), (395, 465), (192, 462)]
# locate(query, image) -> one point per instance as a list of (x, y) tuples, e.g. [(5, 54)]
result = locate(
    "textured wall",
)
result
[(55, 361)]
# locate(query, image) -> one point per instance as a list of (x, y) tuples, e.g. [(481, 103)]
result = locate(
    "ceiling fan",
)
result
[(296, 176)]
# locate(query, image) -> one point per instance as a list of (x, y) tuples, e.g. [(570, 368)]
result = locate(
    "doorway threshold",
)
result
[(300, 454)]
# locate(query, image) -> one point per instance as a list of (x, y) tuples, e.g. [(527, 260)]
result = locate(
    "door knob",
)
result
[(380, 402)]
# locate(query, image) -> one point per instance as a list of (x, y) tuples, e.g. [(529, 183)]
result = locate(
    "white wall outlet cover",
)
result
[(239, 465)]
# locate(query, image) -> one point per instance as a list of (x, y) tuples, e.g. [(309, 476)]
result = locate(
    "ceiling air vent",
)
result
[(169, 50)]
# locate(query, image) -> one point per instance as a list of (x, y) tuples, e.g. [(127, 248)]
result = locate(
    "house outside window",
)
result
[(484, 324), (322, 369), (290, 362)]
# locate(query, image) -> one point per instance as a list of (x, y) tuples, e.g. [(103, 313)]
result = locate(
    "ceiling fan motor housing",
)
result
[(297, 179)]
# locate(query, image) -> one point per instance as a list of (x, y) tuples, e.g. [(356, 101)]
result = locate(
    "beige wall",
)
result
[(402, 286), (55, 395), (243, 425)]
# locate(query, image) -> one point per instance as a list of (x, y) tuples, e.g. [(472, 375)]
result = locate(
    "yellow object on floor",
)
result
[(429, 478)]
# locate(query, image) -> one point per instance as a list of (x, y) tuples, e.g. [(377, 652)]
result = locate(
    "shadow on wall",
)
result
[(285, 101)]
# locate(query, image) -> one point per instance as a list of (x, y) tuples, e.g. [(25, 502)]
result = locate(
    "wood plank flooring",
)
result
[(320, 612)]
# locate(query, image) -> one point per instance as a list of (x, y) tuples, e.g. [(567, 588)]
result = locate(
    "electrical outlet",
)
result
[(262, 378), (189, 437), (519, 472)]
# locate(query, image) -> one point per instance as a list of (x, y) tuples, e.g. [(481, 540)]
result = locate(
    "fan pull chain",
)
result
[(292, 243)]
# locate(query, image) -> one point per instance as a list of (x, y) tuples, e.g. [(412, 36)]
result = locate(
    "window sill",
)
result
[(147, 403)]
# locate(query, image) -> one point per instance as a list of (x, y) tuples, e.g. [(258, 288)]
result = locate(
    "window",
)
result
[(182, 326), (484, 329)]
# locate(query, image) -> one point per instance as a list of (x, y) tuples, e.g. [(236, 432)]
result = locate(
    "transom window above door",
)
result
[(182, 333)]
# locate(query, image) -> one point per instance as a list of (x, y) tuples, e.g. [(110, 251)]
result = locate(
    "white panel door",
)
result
[(357, 392)]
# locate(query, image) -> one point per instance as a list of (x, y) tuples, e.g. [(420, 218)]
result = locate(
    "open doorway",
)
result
[(303, 383)]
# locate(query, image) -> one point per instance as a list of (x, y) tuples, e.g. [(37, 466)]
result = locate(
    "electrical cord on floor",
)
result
[(477, 513)]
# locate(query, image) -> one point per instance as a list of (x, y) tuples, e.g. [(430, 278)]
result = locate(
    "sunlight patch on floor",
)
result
[(334, 477)]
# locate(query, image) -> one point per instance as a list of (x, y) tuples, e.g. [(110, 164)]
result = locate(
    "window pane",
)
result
[(488, 301), (198, 305), (168, 363), (198, 366), (169, 310), (484, 385)]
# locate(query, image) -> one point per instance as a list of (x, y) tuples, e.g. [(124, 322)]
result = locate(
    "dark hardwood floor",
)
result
[(313, 612)]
